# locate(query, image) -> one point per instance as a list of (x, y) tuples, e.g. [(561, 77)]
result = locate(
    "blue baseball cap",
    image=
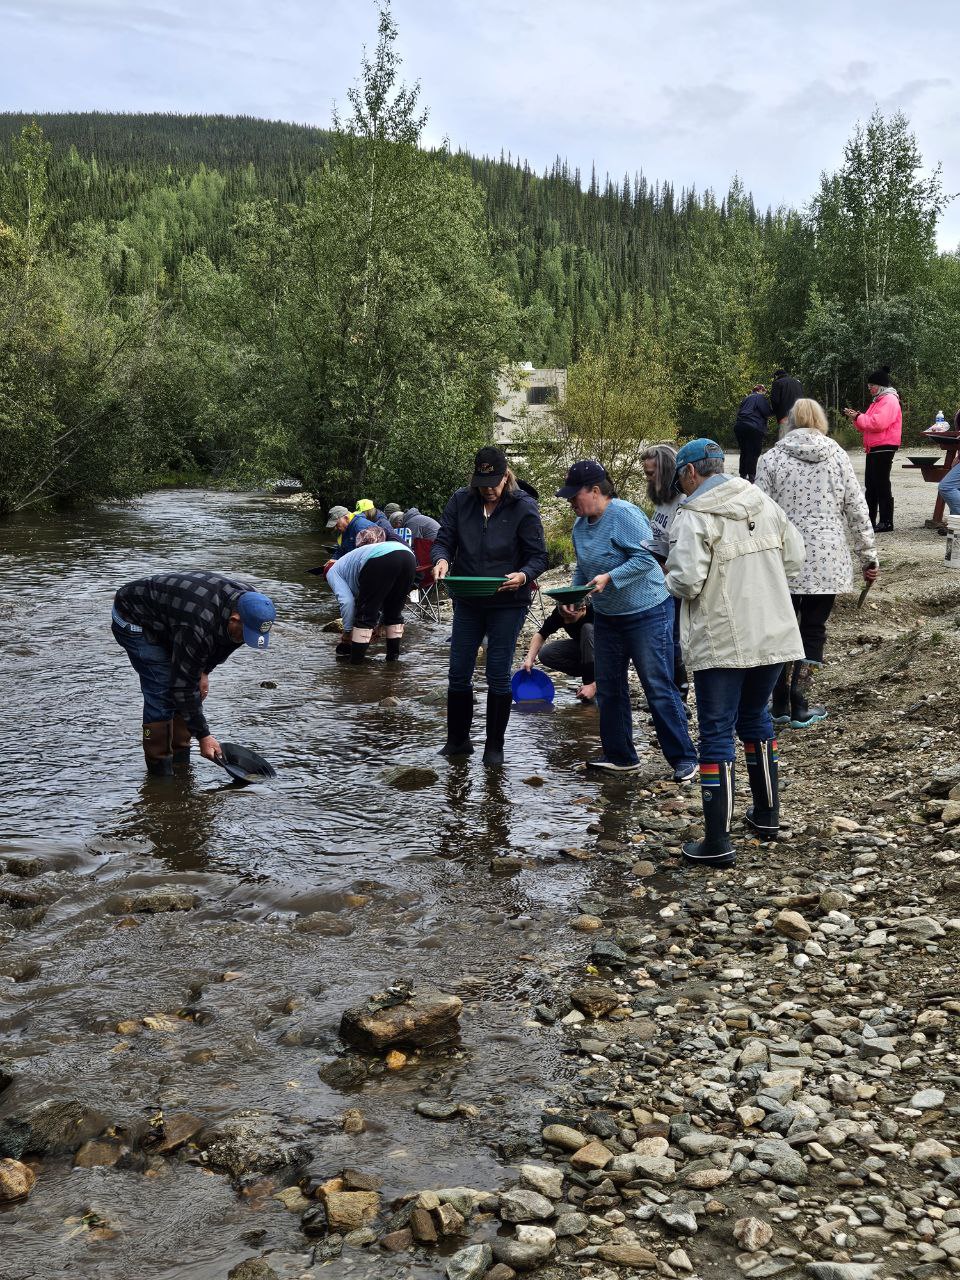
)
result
[(582, 475), (257, 615), (696, 451)]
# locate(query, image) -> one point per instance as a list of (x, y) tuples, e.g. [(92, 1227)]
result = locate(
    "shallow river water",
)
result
[(403, 881)]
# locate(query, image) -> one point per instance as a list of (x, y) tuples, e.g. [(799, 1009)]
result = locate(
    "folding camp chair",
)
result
[(425, 598), (538, 608)]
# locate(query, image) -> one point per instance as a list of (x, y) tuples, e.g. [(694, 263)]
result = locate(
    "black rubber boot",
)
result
[(158, 749), (342, 651), (763, 816), (180, 740), (393, 648), (780, 702), (357, 653), (681, 679), (802, 713), (459, 720), (498, 713), (716, 793)]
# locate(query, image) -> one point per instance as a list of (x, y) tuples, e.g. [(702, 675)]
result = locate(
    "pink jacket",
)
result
[(883, 421)]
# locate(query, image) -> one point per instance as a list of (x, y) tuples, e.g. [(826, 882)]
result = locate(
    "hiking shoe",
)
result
[(607, 766)]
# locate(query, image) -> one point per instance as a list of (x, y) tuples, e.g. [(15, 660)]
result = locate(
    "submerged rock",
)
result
[(409, 777), (16, 1180), (53, 1128), (423, 1020), (252, 1142), (152, 902)]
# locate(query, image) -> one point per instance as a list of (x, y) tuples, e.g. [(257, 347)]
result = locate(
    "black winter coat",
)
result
[(754, 412), (510, 541)]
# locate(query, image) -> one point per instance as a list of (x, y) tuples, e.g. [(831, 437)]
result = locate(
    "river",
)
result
[(404, 882)]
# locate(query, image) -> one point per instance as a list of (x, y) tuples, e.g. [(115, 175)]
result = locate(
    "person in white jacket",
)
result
[(731, 552), (812, 479)]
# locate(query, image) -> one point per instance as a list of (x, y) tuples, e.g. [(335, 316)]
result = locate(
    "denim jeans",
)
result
[(152, 664), (646, 640), (471, 622), (949, 489), (733, 700)]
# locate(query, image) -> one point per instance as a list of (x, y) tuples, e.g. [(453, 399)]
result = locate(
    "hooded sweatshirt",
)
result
[(731, 550), (811, 478), (883, 421)]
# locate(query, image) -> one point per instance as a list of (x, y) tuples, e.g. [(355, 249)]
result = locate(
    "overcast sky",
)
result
[(691, 91)]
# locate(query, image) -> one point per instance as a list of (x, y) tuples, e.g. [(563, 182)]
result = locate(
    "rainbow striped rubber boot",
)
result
[(763, 816), (716, 793)]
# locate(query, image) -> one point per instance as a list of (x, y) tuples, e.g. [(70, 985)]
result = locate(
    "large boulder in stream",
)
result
[(420, 1020), (54, 1128), (252, 1142)]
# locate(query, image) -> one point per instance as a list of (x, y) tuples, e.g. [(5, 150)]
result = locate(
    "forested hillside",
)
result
[(238, 297)]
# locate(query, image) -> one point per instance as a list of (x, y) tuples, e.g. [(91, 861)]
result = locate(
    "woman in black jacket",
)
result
[(489, 529)]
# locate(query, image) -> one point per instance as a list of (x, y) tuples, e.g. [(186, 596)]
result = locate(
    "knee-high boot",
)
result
[(498, 713), (763, 816), (780, 702), (716, 793), (180, 740), (459, 720), (157, 748)]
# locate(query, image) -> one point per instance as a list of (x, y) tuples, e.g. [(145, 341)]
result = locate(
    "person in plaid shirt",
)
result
[(175, 628)]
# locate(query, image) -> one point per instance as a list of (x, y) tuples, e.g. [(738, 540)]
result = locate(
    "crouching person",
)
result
[(175, 628), (572, 655), (371, 582), (731, 552)]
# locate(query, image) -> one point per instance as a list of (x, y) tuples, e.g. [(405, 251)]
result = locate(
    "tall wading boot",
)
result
[(498, 713), (459, 720), (802, 713), (357, 653), (763, 816), (780, 702), (394, 635), (180, 740), (716, 792), (158, 748)]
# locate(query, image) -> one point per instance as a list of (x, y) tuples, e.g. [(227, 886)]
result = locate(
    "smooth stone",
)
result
[(561, 1135), (532, 1246), (470, 1263), (752, 1234), (523, 1205), (16, 1180), (545, 1179)]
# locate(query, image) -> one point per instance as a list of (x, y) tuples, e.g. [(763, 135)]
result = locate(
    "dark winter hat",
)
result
[(780, 373), (582, 475), (489, 467), (879, 377), (391, 507)]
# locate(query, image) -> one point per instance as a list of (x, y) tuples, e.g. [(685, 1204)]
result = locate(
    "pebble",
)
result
[(16, 1180)]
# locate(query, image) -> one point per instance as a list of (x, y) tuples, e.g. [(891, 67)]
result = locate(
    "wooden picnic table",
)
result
[(934, 472)]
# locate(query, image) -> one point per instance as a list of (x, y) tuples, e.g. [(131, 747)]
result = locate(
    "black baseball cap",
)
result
[(489, 467), (581, 476)]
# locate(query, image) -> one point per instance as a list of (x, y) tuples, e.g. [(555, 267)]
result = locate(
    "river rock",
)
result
[(532, 1246), (424, 1020), (561, 1135), (252, 1269), (752, 1234), (350, 1210), (151, 902), (593, 1156), (843, 1270), (628, 1255), (469, 1263), (930, 1151), (792, 925), (178, 1129), (252, 1142), (53, 1128), (99, 1154), (923, 928), (571, 1224), (656, 1168), (409, 777), (543, 1178), (927, 1099), (16, 1180), (523, 1205), (595, 999)]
